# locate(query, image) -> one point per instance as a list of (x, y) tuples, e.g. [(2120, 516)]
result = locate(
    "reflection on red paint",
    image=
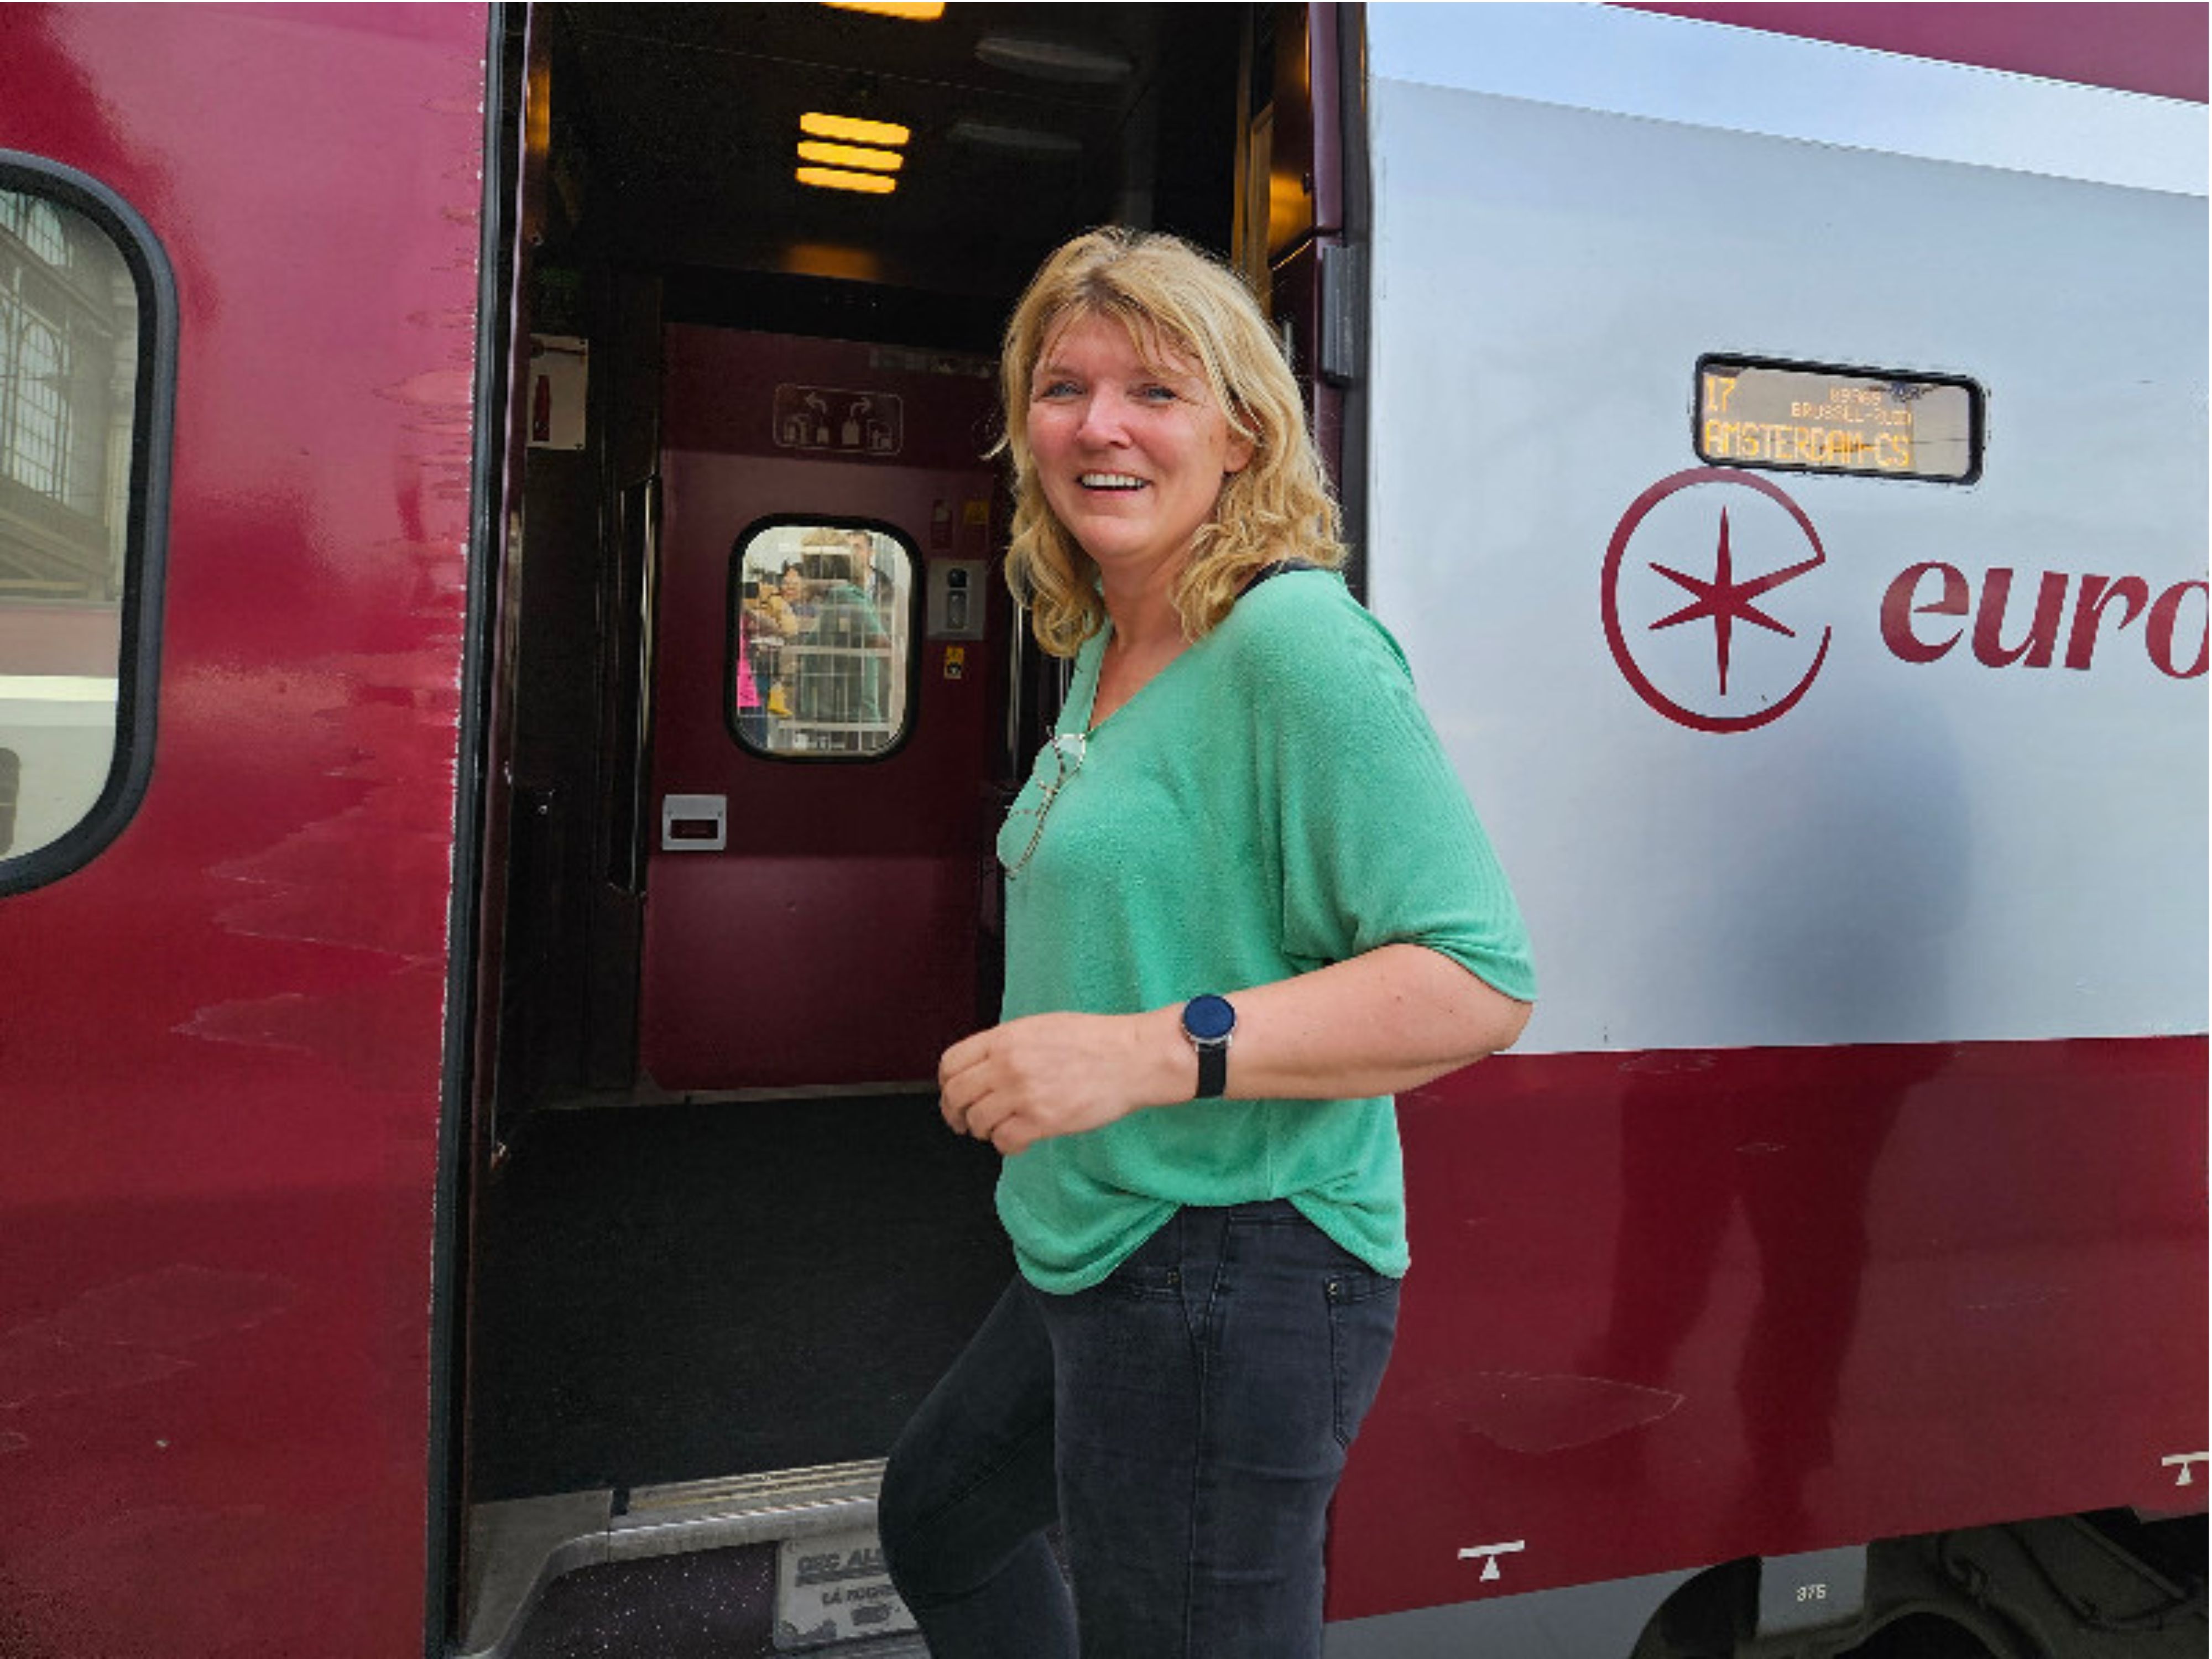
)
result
[(2153, 48), (1673, 1308), (222, 1055)]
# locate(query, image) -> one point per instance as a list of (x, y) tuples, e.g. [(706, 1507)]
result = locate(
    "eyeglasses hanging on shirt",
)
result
[(1067, 750)]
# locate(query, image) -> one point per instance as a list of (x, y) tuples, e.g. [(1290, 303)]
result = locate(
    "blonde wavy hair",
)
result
[(1172, 300)]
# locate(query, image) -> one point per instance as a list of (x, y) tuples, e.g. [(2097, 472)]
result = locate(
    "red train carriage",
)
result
[(505, 693)]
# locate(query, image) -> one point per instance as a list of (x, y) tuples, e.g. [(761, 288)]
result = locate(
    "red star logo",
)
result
[(1728, 601), (1725, 599)]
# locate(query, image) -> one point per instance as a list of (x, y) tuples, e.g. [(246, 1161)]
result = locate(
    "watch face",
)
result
[(1208, 1018)]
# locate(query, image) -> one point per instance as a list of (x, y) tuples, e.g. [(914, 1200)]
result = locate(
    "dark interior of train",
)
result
[(717, 1228)]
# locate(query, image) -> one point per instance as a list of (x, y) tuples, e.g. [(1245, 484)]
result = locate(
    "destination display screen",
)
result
[(1864, 422)]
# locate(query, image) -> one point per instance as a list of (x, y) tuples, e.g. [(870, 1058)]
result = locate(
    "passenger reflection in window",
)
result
[(752, 719), (776, 625), (841, 680), (867, 575), (821, 623)]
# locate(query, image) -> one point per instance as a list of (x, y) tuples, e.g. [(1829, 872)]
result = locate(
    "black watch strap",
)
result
[(1212, 1070)]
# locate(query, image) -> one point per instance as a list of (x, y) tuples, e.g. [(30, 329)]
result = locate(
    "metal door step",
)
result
[(518, 1548)]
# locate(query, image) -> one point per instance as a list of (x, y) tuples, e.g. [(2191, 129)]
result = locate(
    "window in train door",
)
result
[(87, 332), (822, 638)]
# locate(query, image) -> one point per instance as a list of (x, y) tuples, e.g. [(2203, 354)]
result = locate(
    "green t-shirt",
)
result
[(1273, 801)]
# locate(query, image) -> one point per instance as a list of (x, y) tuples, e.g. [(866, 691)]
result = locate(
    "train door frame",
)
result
[(1310, 266), (482, 796)]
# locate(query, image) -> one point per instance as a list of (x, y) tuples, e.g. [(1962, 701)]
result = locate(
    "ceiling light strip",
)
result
[(917, 11), (850, 155), (852, 130), (868, 184)]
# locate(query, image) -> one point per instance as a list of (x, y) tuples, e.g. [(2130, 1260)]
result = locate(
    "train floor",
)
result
[(682, 1293)]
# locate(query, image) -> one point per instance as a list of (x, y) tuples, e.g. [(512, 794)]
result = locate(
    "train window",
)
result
[(1864, 422), (87, 327), (821, 634)]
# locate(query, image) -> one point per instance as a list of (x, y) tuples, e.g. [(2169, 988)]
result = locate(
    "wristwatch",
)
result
[(1210, 1024)]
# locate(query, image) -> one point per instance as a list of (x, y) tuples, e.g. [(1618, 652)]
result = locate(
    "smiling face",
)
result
[(1130, 447), (793, 586)]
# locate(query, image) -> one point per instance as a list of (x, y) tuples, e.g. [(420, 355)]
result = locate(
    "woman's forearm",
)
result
[(1391, 1019)]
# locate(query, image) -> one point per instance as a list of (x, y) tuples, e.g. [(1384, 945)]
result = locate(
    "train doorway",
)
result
[(761, 697), (829, 644)]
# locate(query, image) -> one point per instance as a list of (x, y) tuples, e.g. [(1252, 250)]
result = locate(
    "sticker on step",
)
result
[(834, 1588)]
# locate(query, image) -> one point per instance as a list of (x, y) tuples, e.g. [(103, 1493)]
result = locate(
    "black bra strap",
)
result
[(1275, 569)]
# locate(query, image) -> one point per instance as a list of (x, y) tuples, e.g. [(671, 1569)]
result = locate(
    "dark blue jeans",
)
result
[(1185, 1422)]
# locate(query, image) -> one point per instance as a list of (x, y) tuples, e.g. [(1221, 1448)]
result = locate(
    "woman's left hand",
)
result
[(1056, 1074)]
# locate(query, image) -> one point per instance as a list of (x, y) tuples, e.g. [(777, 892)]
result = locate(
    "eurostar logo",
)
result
[(1731, 523)]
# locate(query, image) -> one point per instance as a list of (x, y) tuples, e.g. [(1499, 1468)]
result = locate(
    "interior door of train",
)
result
[(829, 635)]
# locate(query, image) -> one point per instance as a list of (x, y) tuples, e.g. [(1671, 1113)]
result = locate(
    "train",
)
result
[(507, 692)]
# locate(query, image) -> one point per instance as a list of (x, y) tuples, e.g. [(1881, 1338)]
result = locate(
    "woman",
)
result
[(752, 721), (1246, 900), (782, 615), (769, 621)]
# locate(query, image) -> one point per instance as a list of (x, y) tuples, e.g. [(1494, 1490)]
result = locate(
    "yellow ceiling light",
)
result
[(920, 12), (851, 155), (868, 184), (852, 130)]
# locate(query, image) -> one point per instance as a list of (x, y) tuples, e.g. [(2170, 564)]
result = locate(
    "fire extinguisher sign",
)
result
[(559, 367)]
